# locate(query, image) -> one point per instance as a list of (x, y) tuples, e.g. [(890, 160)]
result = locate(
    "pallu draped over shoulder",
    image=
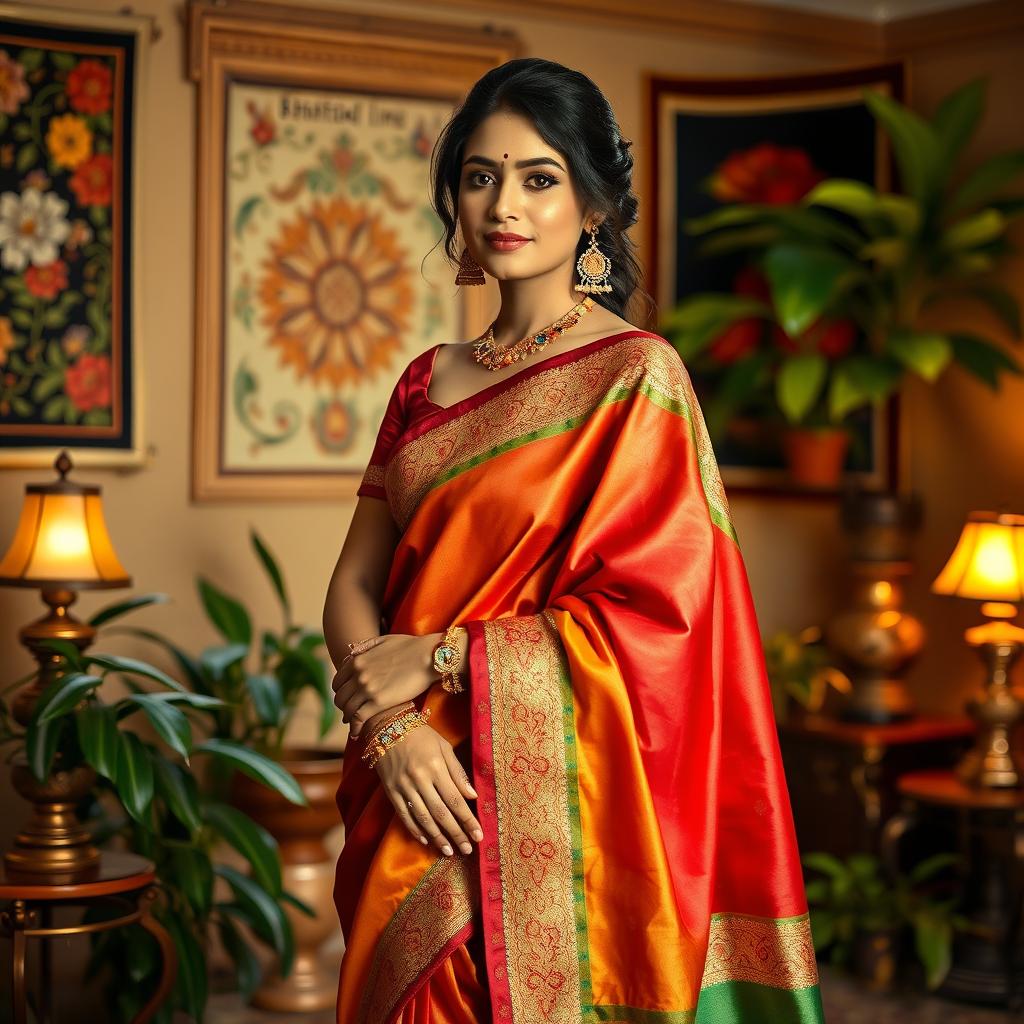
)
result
[(639, 861)]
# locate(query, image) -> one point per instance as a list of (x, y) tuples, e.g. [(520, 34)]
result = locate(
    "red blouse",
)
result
[(407, 404)]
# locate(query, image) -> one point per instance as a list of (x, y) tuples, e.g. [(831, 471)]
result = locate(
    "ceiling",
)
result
[(879, 12)]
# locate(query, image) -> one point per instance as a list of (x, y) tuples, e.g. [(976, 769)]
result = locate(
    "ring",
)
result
[(409, 802)]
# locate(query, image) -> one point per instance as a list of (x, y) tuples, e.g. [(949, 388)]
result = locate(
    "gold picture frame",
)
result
[(307, 120)]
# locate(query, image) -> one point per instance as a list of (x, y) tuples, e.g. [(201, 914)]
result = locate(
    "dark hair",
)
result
[(572, 116)]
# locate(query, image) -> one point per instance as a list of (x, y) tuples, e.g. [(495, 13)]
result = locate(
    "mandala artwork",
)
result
[(327, 292)]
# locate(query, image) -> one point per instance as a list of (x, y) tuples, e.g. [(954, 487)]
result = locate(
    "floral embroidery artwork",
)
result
[(65, 344)]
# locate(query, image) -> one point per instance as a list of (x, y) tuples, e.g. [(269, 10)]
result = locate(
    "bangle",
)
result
[(447, 659), (386, 721), (394, 733)]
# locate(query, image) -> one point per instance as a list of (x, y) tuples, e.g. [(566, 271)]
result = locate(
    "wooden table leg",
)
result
[(170, 957)]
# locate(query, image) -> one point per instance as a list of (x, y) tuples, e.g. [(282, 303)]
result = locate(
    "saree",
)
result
[(639, 861)]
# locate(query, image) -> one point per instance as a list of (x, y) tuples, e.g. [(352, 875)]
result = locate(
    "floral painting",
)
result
[(326, 222), (769, 142), (65, 213)]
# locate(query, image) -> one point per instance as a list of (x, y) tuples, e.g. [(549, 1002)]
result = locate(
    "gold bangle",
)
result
[(386, 721), (393, 734)]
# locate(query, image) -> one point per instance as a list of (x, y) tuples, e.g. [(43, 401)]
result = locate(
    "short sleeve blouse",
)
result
[(407, 403)]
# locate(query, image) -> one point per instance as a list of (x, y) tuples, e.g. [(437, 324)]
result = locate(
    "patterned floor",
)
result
[(845, 1003)]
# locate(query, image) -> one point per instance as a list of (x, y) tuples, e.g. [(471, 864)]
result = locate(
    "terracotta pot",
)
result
[(815, 455), (307, 871)]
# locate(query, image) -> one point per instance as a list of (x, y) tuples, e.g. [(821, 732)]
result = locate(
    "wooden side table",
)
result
[(842, 775), (124, 882), (989, 832)]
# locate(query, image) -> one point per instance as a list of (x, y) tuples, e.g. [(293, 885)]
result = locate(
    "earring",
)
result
[(470, 272), (594, 267)]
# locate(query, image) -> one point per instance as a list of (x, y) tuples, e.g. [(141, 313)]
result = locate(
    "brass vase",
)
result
[(307, 872), (875, 638)]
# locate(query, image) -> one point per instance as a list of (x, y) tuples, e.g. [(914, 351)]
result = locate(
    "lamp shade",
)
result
[(62, 539), (988, 561)]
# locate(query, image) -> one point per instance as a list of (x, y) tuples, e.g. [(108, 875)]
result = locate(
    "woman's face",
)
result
[(514, 183)]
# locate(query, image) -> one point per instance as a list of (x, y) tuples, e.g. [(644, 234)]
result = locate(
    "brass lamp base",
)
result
[(53, 841), (992, 763)]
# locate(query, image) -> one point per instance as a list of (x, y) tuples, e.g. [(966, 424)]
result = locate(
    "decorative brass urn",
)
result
[(875, 638)]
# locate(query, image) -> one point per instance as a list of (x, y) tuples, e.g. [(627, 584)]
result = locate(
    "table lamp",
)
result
[(988, 565), (61, 545)]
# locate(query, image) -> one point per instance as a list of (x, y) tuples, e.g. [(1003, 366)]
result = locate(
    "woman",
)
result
[(628, 852)]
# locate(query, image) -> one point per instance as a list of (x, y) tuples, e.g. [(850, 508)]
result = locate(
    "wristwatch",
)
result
[(447, 660)]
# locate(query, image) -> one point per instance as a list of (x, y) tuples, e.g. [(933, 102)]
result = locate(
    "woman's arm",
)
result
[(355, 593)]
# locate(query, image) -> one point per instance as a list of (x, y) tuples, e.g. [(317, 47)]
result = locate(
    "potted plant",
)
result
[(833, 310), (145, 797), (799, 672), (861, 916), (259, 682)]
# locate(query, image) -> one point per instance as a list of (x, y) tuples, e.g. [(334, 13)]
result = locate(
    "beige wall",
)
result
[(967, 448)]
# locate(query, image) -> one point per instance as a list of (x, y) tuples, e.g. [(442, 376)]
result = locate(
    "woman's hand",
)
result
[(422, 770), (384, 672)]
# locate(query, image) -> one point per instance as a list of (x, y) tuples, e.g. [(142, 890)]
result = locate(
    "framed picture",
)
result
[(770, 140), (69, 273), (318, 269)]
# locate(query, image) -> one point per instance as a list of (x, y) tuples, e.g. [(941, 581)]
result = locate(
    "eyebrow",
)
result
[(533, 162)]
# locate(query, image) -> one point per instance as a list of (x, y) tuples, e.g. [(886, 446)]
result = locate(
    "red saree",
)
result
[(639, 861)]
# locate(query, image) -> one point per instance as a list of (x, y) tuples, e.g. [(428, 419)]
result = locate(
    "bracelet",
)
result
[(386, 721), (394, 733)]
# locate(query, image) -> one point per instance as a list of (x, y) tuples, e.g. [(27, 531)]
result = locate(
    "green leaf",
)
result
[(41, 745), (168, 722), (825, 863), (200, 701), (914, 143), (256, 766), (268, 918), (179, 791), (931, 866), (190, 983), (247, 965), (822, 928), (115, 611), (217, 660), (1003, 303), (846, 195), (754, 238), (265, 690), (886, 252), (189, 666), (133, 666), (227, 614), (63, 694), (983, 359), (859, 380), (987, 180), (957, 118), (99, 738), (192, 872), (727, 216), (273, 571), (293, 900), (252, 841), (978, 229), (933, 940), (804, 280), (926, 353), (800, 380), (903, 213), (134, 776)]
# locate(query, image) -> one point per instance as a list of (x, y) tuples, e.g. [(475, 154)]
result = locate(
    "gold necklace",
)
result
[(495, 357)]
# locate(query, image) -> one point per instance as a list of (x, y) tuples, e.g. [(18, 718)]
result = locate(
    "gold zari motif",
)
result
[(762, 950)]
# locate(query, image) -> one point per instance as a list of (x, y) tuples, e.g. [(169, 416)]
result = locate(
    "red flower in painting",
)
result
[(766, 173), (737, 340), (87, 383), (47, 281), (89, 87), (93, 181), (263, 130)]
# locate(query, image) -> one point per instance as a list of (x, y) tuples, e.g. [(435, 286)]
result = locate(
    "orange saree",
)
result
[(639, 861)]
